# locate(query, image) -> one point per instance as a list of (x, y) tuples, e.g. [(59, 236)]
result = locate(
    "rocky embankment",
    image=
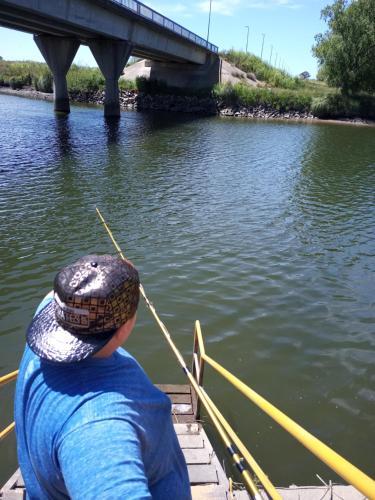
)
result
[(263, 113), (130, 99), (187, 104), (133, 100)]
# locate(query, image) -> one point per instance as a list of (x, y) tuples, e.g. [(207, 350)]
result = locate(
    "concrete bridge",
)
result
[(114, 30)]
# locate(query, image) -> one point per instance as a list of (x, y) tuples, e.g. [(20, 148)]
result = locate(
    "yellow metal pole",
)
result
[(5, 379), (7, 431), (245, 473), (268, 486), (8, 378), (345, 469)]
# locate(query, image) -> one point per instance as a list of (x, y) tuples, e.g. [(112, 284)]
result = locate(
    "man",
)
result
[(89, 423)]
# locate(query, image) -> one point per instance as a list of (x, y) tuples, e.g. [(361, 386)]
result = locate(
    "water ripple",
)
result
[(263, 231)]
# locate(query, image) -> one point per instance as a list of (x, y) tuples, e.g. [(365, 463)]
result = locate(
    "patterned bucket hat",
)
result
[(92, 298)]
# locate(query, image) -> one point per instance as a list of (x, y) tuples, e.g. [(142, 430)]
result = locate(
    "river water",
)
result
[(264, 231)]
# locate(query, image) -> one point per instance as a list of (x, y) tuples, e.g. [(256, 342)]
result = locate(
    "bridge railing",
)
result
[(150, 14)]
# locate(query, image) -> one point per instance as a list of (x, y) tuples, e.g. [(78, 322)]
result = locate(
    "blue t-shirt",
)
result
[(96, 429)]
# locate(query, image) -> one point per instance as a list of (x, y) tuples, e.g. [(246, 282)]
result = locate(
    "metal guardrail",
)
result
[(142, 10), (336, 462), (5, 379)]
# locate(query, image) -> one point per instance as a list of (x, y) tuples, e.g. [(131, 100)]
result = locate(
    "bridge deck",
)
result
[(151, 34)]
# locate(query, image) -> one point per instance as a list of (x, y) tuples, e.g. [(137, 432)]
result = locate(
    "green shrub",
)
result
[(20, 74), (44, 83), (278, 99), (80, 78), (341, 106), (127, 84), (16, 82)]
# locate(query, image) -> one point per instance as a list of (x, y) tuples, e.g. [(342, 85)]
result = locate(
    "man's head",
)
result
[(93, 298)]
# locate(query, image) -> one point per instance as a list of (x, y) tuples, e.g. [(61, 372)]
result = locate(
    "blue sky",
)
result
[(289, 27)]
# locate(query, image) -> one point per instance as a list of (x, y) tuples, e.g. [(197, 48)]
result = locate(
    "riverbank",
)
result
[(250, 89), (205, 106)]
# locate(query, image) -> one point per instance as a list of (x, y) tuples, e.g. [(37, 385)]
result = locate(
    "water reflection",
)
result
[(112, 128), (63, 140)]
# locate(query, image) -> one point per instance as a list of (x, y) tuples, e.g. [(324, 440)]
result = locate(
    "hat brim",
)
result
[(51, 342)]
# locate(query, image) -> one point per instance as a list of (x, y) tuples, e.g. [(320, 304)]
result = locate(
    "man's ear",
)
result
[(125, 330)]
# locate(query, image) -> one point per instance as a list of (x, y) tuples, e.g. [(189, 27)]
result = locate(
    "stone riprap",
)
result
[(187, 104), (133, 100)]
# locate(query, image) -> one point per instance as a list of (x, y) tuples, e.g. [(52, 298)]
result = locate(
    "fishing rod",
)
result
[(252, 488)]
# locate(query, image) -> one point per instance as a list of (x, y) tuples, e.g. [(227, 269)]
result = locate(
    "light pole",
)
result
[(209, 21), (247, 38), (261, 52)]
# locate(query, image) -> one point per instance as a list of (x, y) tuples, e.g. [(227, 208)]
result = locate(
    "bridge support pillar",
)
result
[(111, 56), (58, 53)]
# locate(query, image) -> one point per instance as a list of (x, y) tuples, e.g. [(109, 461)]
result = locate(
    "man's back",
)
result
[(97, 428)]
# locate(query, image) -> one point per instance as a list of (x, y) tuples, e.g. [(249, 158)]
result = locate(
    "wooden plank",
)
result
[(202, 474), (193, 441), (174, 388), (223, 480), (18, 494), (182, 409), (11, 483), (208, 492), (180, 399), (183, 418), (243, 495), (186, 428), (20, 482), (196, 456)]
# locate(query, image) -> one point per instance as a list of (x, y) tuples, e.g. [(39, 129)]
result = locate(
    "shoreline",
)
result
[(206, 106)]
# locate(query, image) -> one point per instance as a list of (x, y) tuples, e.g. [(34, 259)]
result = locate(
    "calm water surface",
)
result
[(263, 231)]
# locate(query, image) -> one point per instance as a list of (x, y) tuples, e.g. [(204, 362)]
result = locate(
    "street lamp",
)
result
[(247, 38), (209, 21)]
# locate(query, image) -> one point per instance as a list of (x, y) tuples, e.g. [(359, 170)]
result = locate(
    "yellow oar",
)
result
[(252, 488)]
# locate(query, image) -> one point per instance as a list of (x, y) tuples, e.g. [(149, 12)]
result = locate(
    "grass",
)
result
[(82, 78), (264, 72), (282, 100), (281, 91), (17, 74), (20, 74)]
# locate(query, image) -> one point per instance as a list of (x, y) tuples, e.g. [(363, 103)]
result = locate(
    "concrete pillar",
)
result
[(111, 56), (58, 53)]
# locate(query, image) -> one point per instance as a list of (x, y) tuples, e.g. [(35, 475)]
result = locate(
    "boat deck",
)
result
[(207, 477)]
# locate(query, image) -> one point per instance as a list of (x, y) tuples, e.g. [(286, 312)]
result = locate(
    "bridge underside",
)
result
[(37, 25), (93, 19), (113, 33)]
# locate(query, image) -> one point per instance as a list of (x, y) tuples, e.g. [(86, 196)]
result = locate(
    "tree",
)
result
[(305, 75), (346, 52)]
